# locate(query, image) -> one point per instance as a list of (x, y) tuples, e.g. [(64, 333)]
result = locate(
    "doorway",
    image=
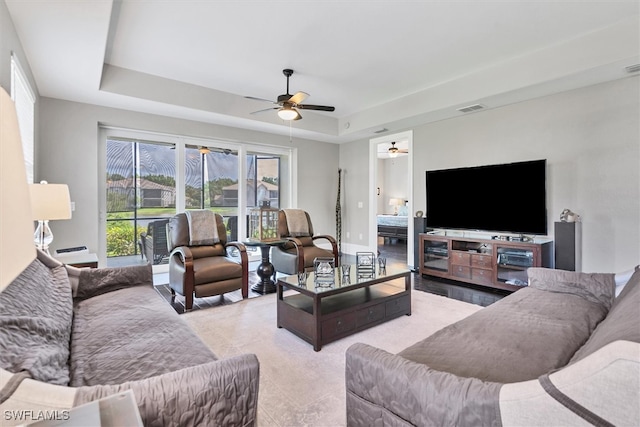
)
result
[(391, 197)]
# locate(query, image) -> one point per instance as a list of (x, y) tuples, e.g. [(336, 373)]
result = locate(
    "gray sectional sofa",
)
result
[(562, 351), (70, 336)]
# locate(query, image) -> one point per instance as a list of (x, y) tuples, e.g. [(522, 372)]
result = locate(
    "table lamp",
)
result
[(16, 227), (48, 202), (395, 203)]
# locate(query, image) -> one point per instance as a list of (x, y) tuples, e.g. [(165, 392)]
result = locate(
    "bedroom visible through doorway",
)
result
[(391, 218)]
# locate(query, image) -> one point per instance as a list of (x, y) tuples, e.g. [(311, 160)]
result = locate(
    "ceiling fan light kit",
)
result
[(288, 113), (288, 103), (393, 151)]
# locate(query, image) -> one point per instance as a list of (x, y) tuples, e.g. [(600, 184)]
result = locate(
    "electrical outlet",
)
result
[(73, 206), (360, 205), (348, 234), (360, 236)]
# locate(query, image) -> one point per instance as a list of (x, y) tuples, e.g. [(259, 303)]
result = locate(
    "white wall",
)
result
[(71, 152), (590, 138)]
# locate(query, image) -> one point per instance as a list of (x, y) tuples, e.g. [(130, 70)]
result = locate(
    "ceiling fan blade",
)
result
[(299, 115), (316, 107), (266, 109), (259, 99), (298, 97)]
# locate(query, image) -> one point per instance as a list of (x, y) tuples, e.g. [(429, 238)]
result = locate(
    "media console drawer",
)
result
[(482, 277), (481, 261), (461, 271), (460, 258)]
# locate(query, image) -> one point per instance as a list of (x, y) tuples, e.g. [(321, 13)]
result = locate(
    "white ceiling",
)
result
[(382, 64)]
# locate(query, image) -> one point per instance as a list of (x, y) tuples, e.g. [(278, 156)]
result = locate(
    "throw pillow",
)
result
[(36, 312)]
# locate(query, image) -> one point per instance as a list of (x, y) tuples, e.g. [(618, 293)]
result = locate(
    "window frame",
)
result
[(288, 163), (24, 98)]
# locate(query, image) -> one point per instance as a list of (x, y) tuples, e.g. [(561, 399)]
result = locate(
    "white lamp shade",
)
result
[(288, 113), (50, 201), (395, 202), (16, 226)]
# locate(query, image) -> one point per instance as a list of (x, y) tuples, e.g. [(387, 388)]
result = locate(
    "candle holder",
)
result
[(324, 269), (365, 264)]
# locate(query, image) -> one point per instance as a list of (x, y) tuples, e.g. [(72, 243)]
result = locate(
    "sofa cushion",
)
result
[(35, 323), (518, 338), (128, 335), (622, 322), (595, 287)]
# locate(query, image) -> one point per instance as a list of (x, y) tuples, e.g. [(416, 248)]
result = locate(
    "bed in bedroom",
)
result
[(393, 226)]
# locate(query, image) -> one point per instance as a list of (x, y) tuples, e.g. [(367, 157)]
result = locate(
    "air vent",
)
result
[(381, 130), (633, 68), (470, 108)]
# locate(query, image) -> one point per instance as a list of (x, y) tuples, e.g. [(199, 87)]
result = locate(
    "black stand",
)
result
[(265, 270)]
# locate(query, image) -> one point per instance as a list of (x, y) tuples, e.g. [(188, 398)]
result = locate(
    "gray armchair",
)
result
[(204, 270), (298, 253), (153, 242)]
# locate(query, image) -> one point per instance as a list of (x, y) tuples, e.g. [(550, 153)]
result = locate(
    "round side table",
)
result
[(265, 270)]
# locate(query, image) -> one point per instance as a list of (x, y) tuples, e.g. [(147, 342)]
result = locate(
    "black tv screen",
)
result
[(509, 198)]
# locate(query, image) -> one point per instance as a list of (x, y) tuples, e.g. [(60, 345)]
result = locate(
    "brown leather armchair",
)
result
[(298, 253), (204, 270)]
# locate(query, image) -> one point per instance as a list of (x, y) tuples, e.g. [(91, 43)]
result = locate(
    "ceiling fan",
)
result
[(288, 105), (394, 151)]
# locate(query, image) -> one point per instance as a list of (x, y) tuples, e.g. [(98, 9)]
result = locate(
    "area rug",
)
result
[(298, 386)]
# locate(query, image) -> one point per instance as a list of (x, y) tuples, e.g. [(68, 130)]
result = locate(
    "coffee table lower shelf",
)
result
[(320, 320)]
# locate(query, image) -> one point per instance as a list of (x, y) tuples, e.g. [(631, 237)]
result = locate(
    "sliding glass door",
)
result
[(140, 188), (148, 181)]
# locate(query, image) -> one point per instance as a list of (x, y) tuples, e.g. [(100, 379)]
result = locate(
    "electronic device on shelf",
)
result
[(517, 259), (437, 251)]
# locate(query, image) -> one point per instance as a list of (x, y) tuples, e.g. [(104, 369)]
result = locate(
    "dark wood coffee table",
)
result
[(320, 315)]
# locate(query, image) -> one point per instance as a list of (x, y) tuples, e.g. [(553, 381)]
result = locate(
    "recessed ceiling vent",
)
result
[(633, 68), (470, 108), (381, 130)]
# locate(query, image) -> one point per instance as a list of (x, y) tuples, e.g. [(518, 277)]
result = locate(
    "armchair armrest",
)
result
[(334, 245), (90, 282), (297, 243), (331, 239), (383, 388), (224, 392), (184, 253), (240, 246), (244, 261)]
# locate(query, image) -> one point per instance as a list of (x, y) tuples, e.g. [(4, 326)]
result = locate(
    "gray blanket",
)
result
[(519, 338), (203, 229), (297, 223), (35, 324), (383, 389), (144, 339), (221, 393)]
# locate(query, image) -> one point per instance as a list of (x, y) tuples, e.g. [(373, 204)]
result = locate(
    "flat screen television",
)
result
[(507, 198)]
